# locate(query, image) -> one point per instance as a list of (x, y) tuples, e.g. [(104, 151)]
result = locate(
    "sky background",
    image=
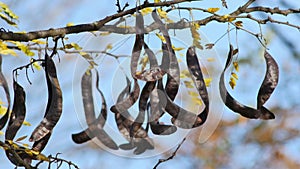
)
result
[(39, 15)]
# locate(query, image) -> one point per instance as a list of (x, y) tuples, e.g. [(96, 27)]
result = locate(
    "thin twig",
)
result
[(170, 157)]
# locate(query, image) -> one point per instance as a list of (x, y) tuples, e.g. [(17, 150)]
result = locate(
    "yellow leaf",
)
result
[(24, 48), (25, 145), (213, 10), (3, 110), (7, 20), (39, 41), (162, 13), (5, 51), (1, 133), (236, 66), (179, 60), (239, 23), (234, 75), (26, 123), (86, 55), (37, 66), (188, 84), (232, 82), (144, 62), (76, 46), (193, 94), (207, 81), (196, 100), (70, 24), (161, 37), (42, 157), (184, 74), (104, 33), (146, 11), (228, 18), (210, 59), (108, 47), (21, 138), (177, 48), (156, 1)]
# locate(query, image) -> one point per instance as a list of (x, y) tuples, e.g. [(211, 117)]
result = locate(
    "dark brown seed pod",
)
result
[(270, 81), (87, 97), (18, 112), (3, 83), (95, 126), (54, 105), (124, 122), (173, 79), (234, 105), (138, 44), (197, 77)]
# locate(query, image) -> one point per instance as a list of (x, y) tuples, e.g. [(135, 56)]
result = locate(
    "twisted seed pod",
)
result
[(173, 78), (54, 105), (3, 83), (270, 81), (18, 112), (95, 126), (197, 77), (234, 105)]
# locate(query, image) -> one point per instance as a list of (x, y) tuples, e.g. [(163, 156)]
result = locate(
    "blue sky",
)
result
[(36, 15)]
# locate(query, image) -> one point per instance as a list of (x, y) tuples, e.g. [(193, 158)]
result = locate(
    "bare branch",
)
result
[(61, 32), (172, 156)]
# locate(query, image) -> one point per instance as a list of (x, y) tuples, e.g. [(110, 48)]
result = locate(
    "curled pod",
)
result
[(95, 126), (54, 105), (234, 105), (3, 83), (270, 80), (124, 122), (18, 112)]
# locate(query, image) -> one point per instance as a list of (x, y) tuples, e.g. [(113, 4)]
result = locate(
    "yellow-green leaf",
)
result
[(197, 101), (234, 75), (162, 13), (207, 81), (236, 66), (232, 82), (188, 84), (21, 138), (193, 94), (161, 37), (3, 110), (37, 41), (26, 123), (70, 24), (213, 10), (146, 11), (42, 157), (177, 48)]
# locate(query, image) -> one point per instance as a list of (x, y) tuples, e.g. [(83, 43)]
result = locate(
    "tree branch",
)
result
[(95, 26)]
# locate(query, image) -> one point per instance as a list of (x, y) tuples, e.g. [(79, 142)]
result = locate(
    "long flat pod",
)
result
[(18, 112), (138, 44), (197, 77), (173, 78), (4, 85), (270, 81), (234, 105), (87, 97), (54, 105)]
